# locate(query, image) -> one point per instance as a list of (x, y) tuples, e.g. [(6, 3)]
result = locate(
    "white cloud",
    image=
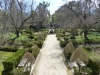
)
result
[(60, 3), (53, 10)]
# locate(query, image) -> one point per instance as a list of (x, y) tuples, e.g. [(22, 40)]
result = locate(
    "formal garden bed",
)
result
[(4, 55), (11, 46), (88, 46)]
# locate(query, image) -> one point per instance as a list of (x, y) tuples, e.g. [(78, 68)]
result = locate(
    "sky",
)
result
[(54, 4)]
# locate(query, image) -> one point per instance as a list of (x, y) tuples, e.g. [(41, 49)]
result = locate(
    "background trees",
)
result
[(82, 12), (42, 14), (16, 12)]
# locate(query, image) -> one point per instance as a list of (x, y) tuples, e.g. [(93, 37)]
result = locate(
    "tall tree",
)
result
[(83, 10), (18, 14), (42, 13)]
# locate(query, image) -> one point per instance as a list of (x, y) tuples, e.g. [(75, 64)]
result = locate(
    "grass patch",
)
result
[(4, 55), (94, 37), (94, 56)]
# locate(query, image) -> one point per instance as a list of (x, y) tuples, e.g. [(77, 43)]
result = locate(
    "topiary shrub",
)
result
[(69, 49), (79, 55)]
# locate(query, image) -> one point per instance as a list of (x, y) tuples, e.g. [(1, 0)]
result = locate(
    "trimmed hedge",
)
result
[(95, 66), (63, 43), (34, 50), (28, 44), (8, 48), (39, 43), (12, 61)]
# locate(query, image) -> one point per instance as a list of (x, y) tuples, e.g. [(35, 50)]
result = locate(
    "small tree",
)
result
[(69, 49), (17, 12), (78, 56)]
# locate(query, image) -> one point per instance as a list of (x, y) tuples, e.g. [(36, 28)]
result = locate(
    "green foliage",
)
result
[(89, 48), (13, 61), (21, 38), (69, 49), (95, 66), (34, 50), (63, 43), (94, 62), (39, 43), (93, 37), (6, 72), (28, 43), (66, 38), (39, 39), (4, 55), (8, 48), (31, 35)]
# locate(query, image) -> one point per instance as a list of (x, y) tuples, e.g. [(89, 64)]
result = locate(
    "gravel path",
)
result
[(50, 60)]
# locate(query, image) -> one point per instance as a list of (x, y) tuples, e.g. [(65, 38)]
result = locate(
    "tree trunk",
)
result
[(85, 34), (79, 69), (17, 34)]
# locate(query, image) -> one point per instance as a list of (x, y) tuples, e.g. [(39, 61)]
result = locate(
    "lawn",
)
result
[(94, 37), (3, 56)]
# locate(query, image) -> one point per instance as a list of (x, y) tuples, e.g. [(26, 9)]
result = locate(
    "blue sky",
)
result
[(54, 4)]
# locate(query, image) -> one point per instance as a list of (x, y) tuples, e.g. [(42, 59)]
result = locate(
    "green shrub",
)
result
[(93, 64), (31, 36), (8, 48), (28, 44), (13, 61), (89, 48), (35, 50), (6, 72), (63, 43), (72, 37), (66, 38), (40, 36), (39, 43)]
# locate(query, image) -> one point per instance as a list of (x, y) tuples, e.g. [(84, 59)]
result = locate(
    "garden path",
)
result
[(50, 60)]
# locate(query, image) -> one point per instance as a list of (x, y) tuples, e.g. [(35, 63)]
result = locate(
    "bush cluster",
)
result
[(12, 62), (95, 66)]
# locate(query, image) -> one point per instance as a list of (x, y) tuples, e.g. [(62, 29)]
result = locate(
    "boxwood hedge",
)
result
[(12, 61)]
